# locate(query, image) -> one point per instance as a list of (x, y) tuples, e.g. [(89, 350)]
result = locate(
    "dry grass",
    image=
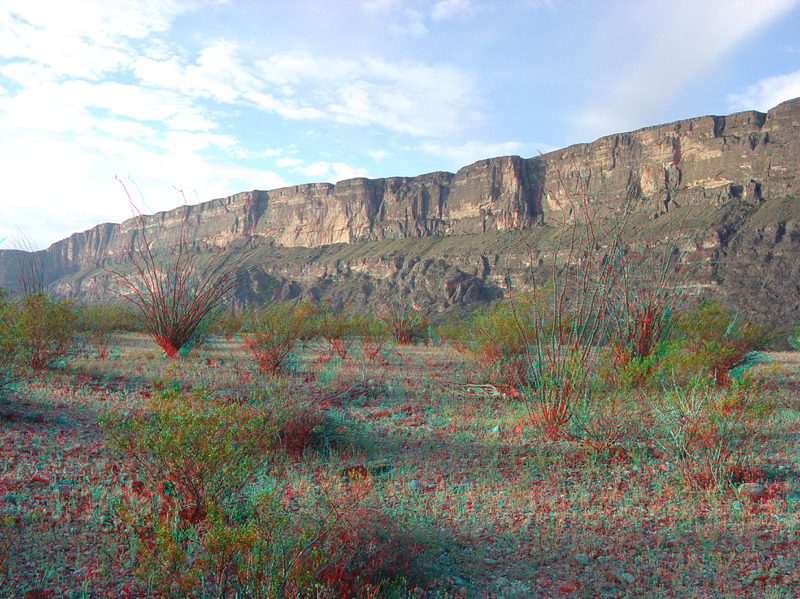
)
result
[(498, 510)]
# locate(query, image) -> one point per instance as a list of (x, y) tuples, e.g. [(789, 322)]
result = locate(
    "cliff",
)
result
[(730, 168)]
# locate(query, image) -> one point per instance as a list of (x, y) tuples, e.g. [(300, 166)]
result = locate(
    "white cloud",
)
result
[(126, 129), (413, 27), (288, 108), (218, 74), (190, 122), (379, 154), (318, 169), (289, 162), (767, 93), (381, 6), (185, 142), (69, 183), (331, 172), (71, 106), (462, 154), (343, 171), (447, 9), (678, 48), (81, 38), (415, 98), (28, 74)]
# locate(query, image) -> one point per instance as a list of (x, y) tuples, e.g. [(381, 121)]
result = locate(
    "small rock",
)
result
[(496, 431), (628, 578), (582, 559), (412, 484), (753, 490)]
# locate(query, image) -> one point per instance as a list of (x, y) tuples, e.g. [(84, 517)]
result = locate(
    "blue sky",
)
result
[(213, 97)]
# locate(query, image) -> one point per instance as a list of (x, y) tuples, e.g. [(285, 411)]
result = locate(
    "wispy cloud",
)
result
[(447, 9), (767, 93), (415, 98), (462, 154), (330, 172), (413, 25), (81, 38), (679, 47)]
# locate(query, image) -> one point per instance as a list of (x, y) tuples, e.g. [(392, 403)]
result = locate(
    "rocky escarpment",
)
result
[(738, 172)]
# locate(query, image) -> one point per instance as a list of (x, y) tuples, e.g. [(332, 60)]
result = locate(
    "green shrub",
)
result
[(273, 334), (47, 330), (337, 329), (373, 338), (100, 324), (405, 321), (709, 432), (202, 531), (11, 533), (717, 341), (10, 365), (202, 450), (498, 339), (227, 324)]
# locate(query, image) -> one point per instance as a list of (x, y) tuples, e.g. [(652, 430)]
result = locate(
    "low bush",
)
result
[(717, 341), (709, 432), (337, 329), (227, 324), (200, 450), (10, 365), (373, 338), (47, 330), (497, 338), (100, 324), (200, 527), (405, 321), (273, 334)]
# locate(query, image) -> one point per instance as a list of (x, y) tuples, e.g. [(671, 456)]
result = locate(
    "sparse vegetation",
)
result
[(602, 449), (178, 294), (358, 478), (273, 333), (47, 331), (718, 341), (10, 363)]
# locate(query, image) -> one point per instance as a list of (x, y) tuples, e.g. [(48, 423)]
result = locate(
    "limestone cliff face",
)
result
[(738, 163), (747, 155)]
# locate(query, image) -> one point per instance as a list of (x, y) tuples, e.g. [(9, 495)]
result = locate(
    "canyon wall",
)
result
[(734, 163)]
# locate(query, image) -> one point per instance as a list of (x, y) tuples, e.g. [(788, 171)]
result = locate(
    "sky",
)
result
[(191, 100)]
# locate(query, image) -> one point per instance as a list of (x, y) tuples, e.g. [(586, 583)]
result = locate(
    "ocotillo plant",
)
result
[(178, 295), (30, 266), (608, 284)]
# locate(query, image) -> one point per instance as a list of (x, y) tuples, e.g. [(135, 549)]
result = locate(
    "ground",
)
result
[(496, 508)]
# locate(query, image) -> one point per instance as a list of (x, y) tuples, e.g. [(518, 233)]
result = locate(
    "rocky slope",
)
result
[(460, 238)]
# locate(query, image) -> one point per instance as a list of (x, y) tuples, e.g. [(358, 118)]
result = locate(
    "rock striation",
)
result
[(740, 171)]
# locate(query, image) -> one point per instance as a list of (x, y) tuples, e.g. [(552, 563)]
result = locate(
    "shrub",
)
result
[(201, 530), (337, 329), (616, 425), (178, 292), (47, 330), (11, 532), (718, 341), (273, 333), (373, 338), (499, 337), (709, 432), (405, 321), (227, 324), (100, 323), (10, 366), (200, 450)]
